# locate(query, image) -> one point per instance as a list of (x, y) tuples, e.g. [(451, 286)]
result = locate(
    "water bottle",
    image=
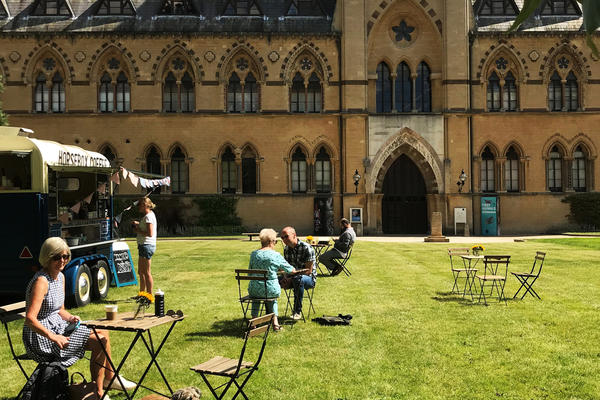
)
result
[(159, 303)]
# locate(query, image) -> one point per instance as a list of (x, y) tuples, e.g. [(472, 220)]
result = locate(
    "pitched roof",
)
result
[(207, 17)]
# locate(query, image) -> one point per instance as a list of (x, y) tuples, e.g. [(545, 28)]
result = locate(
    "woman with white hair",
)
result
[(46, 319), (268, 259)]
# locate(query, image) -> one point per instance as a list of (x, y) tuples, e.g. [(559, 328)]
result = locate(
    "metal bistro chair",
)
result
[(527, 279), (344, 261), (309, 294), (495, 271), (456, 270), (235, 368), (242, 275)]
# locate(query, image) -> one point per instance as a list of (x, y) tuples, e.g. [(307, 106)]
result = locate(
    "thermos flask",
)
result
[(159, 303)]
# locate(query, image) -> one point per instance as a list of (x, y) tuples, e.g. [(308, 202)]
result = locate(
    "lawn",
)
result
[(409, 339)]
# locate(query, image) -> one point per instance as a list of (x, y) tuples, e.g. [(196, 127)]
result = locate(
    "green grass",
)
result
[(409, 339)]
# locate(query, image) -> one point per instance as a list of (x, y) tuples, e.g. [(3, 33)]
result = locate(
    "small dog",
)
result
[(188, 393)]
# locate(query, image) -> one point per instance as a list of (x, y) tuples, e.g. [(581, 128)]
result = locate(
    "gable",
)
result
[(53, 7), (496, 8), (560, 7), (115, 7)]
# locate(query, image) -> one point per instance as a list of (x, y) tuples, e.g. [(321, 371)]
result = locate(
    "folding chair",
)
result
[(232, 368), (457, 251), (9, 313), (345, 260), (491, 266), (246, 300), (525, 277), (308, 293)]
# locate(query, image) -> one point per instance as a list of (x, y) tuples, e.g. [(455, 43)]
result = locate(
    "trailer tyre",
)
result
[(100, 280), (83, 286)]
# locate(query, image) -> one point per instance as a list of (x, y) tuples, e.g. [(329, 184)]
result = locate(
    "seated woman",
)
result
[(46, 319), (268, 259)]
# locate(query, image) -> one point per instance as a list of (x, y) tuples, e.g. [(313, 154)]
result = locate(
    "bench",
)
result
[(251, 235), (9, 313)]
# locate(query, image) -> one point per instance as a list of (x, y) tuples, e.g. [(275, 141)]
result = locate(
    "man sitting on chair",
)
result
[(301, 256), (340, 248)]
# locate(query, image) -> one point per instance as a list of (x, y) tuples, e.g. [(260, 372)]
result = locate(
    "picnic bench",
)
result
[(251, 235)]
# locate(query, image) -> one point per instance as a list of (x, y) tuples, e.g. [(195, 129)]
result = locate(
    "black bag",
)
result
[(331, 320), (49, 381)]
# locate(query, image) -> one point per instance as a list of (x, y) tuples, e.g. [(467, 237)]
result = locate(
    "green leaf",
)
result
[(529, 6), (591, 22)]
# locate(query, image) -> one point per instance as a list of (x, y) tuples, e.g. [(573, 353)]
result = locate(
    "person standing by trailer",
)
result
[(146, 229)]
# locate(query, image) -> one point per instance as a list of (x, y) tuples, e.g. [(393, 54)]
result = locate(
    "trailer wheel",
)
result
[(100, 280), (83, 286)]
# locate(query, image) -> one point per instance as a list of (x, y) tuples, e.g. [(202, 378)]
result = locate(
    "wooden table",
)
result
[(251, 235), (470, 271), (126, 322)]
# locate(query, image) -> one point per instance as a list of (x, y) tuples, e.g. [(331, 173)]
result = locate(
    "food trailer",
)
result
[(50, 189)]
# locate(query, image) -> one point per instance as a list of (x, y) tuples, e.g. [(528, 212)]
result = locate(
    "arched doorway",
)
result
[(404, 204)]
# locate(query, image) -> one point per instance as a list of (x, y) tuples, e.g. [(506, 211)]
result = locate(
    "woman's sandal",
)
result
[(277, 328)]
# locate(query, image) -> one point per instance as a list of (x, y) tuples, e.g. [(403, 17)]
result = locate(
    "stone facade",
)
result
[(344, 47)]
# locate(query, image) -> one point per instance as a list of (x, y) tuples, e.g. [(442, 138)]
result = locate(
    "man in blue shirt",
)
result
[(301, 256)]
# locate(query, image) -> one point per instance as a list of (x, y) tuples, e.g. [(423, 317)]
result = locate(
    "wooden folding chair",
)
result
[(527, 279), (233, 368), (491, 266), (9, 313), (243, 275), (456, 270)]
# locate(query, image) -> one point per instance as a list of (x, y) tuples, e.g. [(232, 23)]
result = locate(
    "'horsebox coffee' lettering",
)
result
[(80, 160)]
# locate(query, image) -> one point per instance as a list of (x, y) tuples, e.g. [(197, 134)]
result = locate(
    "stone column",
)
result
[(436, 229)]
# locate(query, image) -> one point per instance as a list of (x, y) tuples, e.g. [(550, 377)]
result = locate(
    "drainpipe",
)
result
[(340, 124), (471, 40)]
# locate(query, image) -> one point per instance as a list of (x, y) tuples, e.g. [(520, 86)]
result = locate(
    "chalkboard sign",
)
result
[(122, 266)]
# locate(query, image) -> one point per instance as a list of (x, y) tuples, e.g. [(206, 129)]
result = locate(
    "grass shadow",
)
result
[(231, 328)]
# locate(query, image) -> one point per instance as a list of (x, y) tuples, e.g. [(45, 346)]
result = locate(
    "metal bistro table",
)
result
[(126, 322), (470, 271), (319, 249)]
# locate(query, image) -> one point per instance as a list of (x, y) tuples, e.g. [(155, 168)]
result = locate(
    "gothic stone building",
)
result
[(280, 102)]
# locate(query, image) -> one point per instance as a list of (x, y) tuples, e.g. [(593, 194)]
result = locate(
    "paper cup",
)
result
[(111, 311)]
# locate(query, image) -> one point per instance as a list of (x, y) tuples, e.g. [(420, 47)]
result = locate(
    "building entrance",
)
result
[(404, 204)]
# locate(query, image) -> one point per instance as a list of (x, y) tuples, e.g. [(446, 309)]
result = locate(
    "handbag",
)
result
[(82, 391)]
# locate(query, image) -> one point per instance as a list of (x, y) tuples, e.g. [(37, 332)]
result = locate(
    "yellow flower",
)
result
[(309, 238), (477, 247), (145, 297)]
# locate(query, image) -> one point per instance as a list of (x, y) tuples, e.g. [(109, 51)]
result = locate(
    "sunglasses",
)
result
[(283, 237), (175, 314), (59, 257)]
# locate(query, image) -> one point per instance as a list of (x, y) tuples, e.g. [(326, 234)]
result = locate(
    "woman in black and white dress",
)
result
[(46, 319)]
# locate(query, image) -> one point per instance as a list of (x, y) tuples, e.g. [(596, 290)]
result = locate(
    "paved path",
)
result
[(462, 239)]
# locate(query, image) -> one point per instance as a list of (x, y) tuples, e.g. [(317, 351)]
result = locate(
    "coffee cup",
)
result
[(111, 311)]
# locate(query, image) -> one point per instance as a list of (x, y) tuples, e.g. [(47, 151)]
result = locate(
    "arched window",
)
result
[(403, 88), (228, 172), (42, 93), (248, 171), (578, 170), (106, 94), (299, 171), (107, 152), (571, 92), (323, 172), (153, 165), (383, 89), (178, 87), (123, 93), (58, 93), (555, 93), (179, 172), (511, 170), (250, 90), (314, 97), (509, 93), (234, 94), (493, 92), (298, 97), (423, 88), (555, 170), (170, 100), (487, 171), (114, 89)]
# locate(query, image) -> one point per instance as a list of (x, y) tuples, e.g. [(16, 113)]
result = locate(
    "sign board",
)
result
[(356, 215), (489, 216), (460, 216), (122, 268)]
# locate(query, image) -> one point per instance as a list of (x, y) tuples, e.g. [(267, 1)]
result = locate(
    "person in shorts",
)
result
[(146, 241)]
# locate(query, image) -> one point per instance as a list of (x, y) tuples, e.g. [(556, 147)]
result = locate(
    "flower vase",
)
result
[(476, 252), (139, 311)]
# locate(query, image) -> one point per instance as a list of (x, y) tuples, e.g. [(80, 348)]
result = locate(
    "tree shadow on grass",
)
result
[(230, 327)]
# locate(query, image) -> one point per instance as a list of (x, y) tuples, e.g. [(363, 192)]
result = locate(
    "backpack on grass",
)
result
[(331, 320), (49, 381)]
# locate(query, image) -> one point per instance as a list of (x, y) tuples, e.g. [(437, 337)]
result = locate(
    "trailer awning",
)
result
[(65, 157)]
